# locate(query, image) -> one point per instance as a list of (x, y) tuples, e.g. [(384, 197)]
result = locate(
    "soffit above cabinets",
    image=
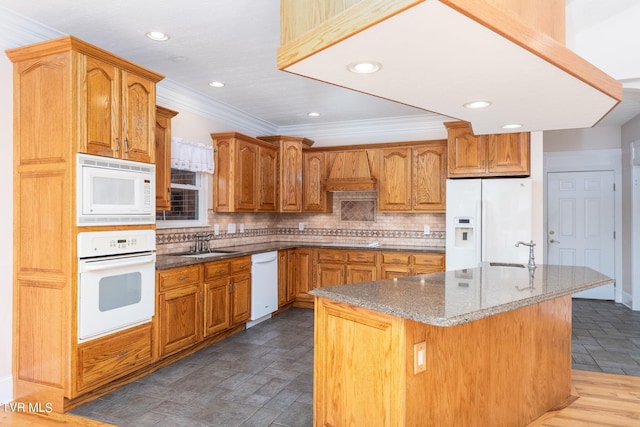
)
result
[(436, 58)]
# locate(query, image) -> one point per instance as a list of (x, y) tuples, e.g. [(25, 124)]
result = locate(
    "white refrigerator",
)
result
[(484, 220)]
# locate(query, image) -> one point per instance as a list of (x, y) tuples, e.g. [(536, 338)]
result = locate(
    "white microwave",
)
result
[(115, 192)]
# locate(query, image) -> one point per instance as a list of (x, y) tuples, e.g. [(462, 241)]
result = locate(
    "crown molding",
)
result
[(18, 30)]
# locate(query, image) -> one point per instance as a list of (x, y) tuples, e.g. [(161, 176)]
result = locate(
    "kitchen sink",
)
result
[(505, 264), (209, 254)]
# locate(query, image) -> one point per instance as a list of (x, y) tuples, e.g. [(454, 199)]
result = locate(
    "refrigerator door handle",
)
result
[(480, 243)]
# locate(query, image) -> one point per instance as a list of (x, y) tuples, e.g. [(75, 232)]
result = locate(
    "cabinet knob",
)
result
[(183, 277)]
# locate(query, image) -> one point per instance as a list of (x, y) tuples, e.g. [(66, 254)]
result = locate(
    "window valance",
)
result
[(191, 156)]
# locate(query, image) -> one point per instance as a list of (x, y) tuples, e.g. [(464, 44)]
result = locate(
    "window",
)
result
[(188, 200)]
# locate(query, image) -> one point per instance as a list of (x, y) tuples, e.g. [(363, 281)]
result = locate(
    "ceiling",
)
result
[(233, 41)]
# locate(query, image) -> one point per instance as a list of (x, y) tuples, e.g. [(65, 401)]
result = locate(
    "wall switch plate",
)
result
[(231, 228), (419, 357), (216, 229), (242, 228), (427, 230), (301, 226)]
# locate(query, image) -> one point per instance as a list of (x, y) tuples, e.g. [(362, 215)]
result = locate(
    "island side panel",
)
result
[(358, 367), (503, 370)]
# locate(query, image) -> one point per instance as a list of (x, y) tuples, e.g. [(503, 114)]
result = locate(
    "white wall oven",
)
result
[(115, 192), (116, 281)]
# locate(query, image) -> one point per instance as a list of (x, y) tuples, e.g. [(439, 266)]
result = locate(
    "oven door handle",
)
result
[(120, 262)]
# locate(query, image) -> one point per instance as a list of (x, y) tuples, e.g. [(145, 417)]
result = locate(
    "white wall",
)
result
[(6, 228), (631, 285), (600, 138)]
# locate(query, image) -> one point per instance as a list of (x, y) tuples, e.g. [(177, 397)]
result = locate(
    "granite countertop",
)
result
[(169, 261), (455, 297)]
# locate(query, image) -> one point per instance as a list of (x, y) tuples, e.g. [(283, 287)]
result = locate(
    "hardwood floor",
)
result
[(604, 400)]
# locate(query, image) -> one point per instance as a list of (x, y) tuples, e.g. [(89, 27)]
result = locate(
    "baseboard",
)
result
[(627, 299), (6, 389)]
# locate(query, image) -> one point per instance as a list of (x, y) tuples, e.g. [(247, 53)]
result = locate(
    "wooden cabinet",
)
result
[(314, 172), (289, 170), (104, 359), (163, 157), (486, 155), (67, 94), (301, 277), (244, 179), (403, 264), (267, 179), (290, 264), (217, 291), (413, 178), (179, 309), (119, 110), (340, 266), (240, 284)]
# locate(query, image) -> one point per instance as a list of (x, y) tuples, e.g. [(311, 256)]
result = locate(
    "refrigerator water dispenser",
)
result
[(463, 231)]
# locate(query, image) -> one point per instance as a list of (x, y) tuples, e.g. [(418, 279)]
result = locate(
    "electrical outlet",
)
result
[(419, 357), (301, 226), (427, 230), (216, 229), (231, 228), (242, 228)]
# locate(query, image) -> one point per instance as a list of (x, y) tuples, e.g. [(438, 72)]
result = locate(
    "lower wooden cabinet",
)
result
[(339, 267), (105, 359), (201, 300), (394, 265)]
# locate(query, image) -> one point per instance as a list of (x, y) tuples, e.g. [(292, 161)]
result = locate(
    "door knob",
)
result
[(553, 241)]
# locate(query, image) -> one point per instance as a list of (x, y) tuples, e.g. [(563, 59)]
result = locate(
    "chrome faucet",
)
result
[(532, 261)]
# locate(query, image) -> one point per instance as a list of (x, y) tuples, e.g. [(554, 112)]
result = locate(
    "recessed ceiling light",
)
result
[(216, 84), (364, 67), (474, 105), (313, 114), (157, 36), (512, 126)]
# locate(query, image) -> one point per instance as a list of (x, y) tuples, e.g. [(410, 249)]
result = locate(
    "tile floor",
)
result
[(263, 376)]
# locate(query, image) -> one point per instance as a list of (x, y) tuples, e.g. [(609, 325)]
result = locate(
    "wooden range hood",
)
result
[(350, 171), (440, 54)]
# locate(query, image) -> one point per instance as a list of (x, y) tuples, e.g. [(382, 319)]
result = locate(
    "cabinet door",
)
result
[(314, 171), (224, 150), (138, 118), (180, 319), (509, 154), (163, 158), (290, 176), (301, 281), (267, 179), (361, 273), (216, 306), (283, 277), (429, 178), (394, 192), (240, 298), (329, 274), (466, 152), (395, 271), (245, 178), (99, 122)]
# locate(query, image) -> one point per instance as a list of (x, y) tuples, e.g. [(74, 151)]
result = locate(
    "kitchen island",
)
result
[(473, 347)]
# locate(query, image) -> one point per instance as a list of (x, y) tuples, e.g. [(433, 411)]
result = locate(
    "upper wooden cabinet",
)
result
[(486, 155), (314, 171), (119, 109), (289, 170), (412, 178), (245, 175), (163, 157)]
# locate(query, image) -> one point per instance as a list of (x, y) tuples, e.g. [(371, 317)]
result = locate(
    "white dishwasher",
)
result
[(264, 286)]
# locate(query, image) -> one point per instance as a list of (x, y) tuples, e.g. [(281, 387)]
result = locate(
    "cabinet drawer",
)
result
[(178, 277), (108, 358), (361, 257), (216, 269), (399, 258), (240, 265), (435, 260), (331, 256)]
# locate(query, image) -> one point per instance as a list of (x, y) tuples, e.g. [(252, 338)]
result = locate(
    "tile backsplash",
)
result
[(358, 224)]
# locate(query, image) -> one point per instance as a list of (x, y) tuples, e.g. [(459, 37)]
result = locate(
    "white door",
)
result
[(580, 224)]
